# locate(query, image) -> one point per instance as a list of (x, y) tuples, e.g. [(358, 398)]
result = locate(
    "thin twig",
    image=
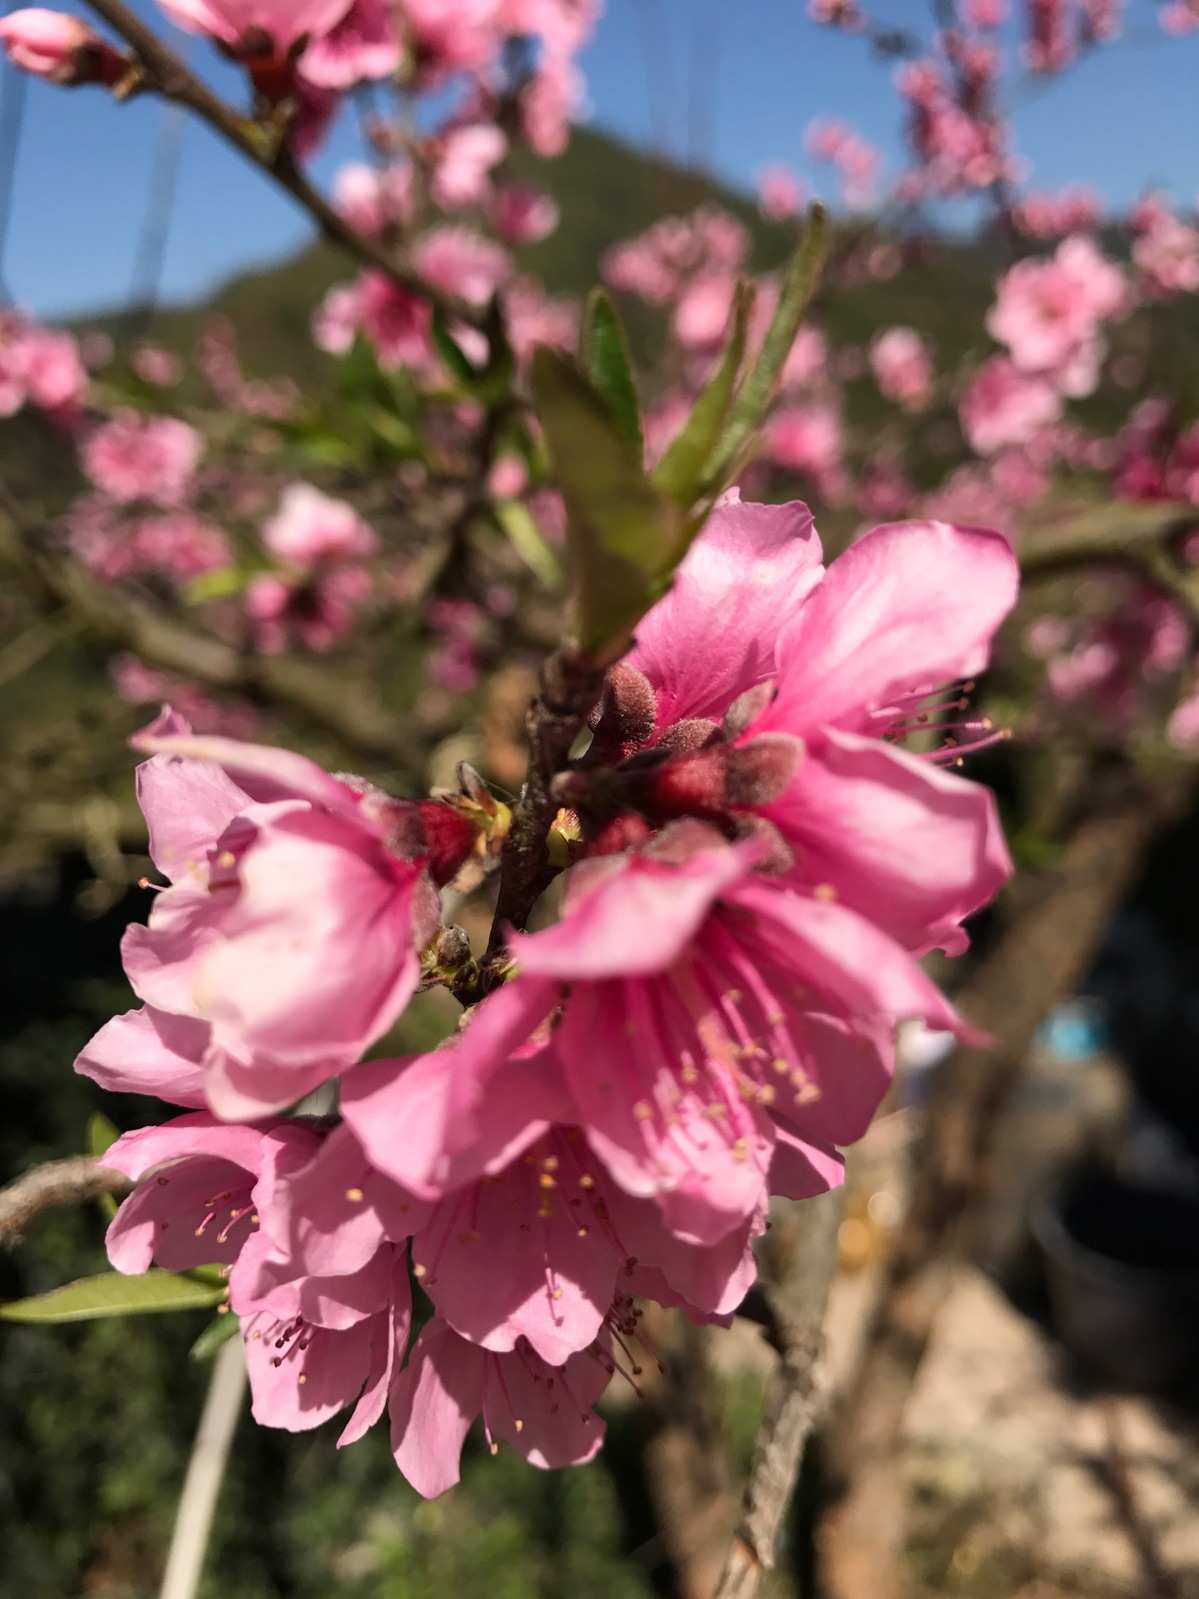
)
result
[(58, 1182), (798, 1269), (570, 686), (1138, 537), (205, 1473), (164, 72)]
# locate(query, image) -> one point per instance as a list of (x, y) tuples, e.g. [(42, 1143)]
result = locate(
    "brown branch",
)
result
[(570, 686), (1052, 930), (1135, 536), (58, 1182), (117, 618), (798, 1263), (164, 72)]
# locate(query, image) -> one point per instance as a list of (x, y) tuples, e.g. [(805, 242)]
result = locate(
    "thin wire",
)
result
[(146, 284), (12, 121)]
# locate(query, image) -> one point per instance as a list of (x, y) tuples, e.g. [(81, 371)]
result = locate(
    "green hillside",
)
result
[(606, 191)]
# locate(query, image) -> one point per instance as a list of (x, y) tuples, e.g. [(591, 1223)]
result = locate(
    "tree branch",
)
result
[(58, 1182), (570, 686), (1050, 937), (797, 1272), (348, 710), (166, 73), (1134, 536)]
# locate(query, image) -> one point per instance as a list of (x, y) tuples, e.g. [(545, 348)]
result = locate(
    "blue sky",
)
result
[(734, 84)]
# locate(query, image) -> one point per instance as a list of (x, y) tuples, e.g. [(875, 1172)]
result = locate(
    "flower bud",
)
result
[(60, 48)]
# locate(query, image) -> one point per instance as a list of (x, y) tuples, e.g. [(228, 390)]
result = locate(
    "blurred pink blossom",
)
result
[(135, 457), (310, 527), (362, 45), (902, 367), (463, 159), (1003, 405), (53, 45), (780, 193), (523, 214)]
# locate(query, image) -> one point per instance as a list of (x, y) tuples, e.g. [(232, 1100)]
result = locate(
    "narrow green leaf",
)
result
[(621, 531), (681, 472), (358, 371), (753, 400), (110, 1294), (218, 1332), (517, 522), (453, 356), (101, 1134), (606, 358)]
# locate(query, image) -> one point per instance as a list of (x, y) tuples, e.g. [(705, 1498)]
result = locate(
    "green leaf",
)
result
[(754, 397), (219, 584), (621, 531), (218, 1332), (358, 370), (517, 522), (606, 358), (453, 356), (681, 472), (111, 1294), (101, 1134)]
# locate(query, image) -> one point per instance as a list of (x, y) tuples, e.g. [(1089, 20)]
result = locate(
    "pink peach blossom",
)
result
[(902, 368), (290, 936), (780, 194), (135, 457), (680, 1049), (1005, 406), (523, 214), (310, 527), (361, 45), (464, 159), (462, 263)]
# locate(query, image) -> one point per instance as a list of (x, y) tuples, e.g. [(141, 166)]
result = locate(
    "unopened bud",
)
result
[(60, 48), (625, 717)]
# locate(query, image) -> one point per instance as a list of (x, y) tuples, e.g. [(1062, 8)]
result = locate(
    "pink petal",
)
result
[(444, 1119), (390, 1339), (316, 956), (337, 1210), (139, 1152), (557, 1426), (160, 957), (841, 954), (800, 1170), (710, 1279), (266, 774), (434, 1400), (910, 606), (654, 1131), (912, 847), (149, 1052), (162, 1220), (712, 636), (187, 806), (637, 920), (511, 1258), (312, 1377)]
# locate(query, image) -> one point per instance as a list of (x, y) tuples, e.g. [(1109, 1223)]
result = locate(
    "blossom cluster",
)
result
[(758, 862)]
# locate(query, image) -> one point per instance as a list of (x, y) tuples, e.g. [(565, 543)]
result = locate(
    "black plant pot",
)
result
[(1122, 1265)]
